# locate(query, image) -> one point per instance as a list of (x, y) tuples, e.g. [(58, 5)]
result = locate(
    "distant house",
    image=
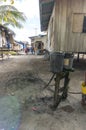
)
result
[(21, 45), (65, 23), (39, 42), (16, 46)]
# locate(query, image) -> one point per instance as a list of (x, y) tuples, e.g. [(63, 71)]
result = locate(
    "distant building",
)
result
[(17, 46), (65, 23), (39, 42), (20, 45)]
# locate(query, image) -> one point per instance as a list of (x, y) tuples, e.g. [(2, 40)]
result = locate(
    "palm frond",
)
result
[(8, 7), (9, 14), (13, 23), (17, 15)]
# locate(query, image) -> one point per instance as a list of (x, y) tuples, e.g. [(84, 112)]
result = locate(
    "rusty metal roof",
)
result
[(46, 7)]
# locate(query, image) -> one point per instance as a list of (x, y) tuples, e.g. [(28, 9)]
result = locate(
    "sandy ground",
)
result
[(24, 105)]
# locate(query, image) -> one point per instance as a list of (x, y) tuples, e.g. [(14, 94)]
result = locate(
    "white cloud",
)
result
[(24, 34), (31, 10), (29, 7), (31, 27)]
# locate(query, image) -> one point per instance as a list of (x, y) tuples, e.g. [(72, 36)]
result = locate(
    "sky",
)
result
[(32, 25)]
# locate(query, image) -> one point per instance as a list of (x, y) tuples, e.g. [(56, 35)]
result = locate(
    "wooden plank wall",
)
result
[(51, 32), (65, 38)]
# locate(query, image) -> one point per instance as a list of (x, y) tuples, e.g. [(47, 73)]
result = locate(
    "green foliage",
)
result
[(9, 15), (11, 1), (12, 52), (9, 52)]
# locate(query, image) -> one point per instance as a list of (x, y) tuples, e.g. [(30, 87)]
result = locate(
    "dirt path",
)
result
[(25, 106)]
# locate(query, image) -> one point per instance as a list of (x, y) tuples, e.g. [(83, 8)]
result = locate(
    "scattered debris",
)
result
[(34, 108), (68, 109)]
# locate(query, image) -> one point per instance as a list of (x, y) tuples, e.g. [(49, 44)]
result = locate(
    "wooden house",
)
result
[(16, 46), (39, 42), (65, 23)]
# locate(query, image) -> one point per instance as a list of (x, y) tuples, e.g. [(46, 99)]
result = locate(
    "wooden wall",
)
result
[(42, 39), (68, 24), (51, 32)]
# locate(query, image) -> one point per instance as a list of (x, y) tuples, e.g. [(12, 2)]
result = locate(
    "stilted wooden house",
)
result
[(65, 23)]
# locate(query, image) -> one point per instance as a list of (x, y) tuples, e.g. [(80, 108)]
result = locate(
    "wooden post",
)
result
[(78, 57), (66, 82), (2, 53), (85, 78), (57, 96), (56, 93)]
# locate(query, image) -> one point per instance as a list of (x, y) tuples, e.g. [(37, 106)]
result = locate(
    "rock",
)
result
[(12, 94)]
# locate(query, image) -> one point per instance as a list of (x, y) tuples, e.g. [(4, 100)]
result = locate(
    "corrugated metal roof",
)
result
[(46, 7), (39, 36)]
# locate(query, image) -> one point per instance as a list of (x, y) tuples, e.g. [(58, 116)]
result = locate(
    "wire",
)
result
[(49, 81), (74, 92)]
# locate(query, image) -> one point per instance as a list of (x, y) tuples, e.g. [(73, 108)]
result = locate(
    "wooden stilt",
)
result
[(78, 57), (57, 96), (2, 53), (56, 93), (66, 82)]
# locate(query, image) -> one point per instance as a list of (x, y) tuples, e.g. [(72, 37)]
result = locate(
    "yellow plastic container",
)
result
[(83, 88)]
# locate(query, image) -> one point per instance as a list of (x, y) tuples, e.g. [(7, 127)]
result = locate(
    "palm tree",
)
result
[(11, 1), (9, 15)]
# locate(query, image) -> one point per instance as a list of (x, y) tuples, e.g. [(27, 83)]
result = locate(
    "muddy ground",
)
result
[(24, 105)]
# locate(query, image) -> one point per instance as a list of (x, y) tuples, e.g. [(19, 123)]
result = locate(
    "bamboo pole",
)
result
[(85, 78)]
